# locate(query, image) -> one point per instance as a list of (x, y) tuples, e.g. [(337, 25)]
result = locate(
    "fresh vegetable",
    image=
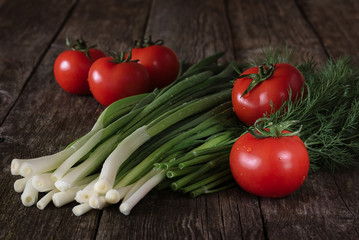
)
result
[(160, 61), (136, 133), (271, 162), (328, 114), (181, 136), (261, 90), (71, 67), (114, 78)]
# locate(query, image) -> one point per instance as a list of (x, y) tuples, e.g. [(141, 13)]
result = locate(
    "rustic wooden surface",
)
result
[(38, 118)]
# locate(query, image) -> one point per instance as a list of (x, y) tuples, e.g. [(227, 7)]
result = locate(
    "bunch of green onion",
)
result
[(178, 137)]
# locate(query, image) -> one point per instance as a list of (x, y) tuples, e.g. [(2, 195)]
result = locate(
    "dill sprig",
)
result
[(328, 112)]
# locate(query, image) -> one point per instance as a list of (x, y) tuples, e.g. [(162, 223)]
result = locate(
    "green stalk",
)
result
[(183, 126), (203, 63), (117, 157), (127, 146), (132, 200), (203, 128), (88, 166), (168, 134), (198, 106), (202, 151), (174, 91), (209, 188), (213, 84), (180, 172), (191, 89), (198, 160), (117, 109), (223, 175), (98, 137), (205, 168), (158, 154)]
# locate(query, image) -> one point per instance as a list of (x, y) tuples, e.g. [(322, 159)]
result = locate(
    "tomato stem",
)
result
[(264, 72), (263, 129), (80, 45), (123, 57), (146, 42)]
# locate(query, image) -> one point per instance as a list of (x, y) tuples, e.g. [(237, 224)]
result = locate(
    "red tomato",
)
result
[(256, 103), (71, 69), (269, 167), (161, 63), (110, 81)]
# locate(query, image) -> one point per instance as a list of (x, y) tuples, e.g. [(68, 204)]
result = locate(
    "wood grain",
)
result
[(336, 25), (26, 30), (194, 29), (45, 119), (315, 211), (258, 24), (37, 117)]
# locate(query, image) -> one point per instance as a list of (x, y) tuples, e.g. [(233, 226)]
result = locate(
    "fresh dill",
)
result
[(328, 111)]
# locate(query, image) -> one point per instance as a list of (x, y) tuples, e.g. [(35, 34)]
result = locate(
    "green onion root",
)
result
[(81, 209), (45, 200), (30, 194)]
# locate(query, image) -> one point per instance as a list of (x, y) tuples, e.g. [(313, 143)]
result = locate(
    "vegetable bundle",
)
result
[(183, 131), (181, 137)]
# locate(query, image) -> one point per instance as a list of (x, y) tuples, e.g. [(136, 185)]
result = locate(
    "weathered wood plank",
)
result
[(348, 183), (336, 25), (316, 209), (26, 30), (194, 30), (45, 119), (257, 24)]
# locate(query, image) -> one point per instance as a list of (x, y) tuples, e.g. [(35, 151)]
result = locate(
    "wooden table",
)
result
[(37, 117)]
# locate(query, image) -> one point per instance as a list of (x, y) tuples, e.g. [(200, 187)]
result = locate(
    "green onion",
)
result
[(98, 202), (64, 197), (116, 194), (143, 134), (180, 172), (84, 195), (124, 154), (19, 184), (30, 195), (214, 177), (43, 182), (81, 209), (127, 205), (209, 188), (87, 167), (204, 169)]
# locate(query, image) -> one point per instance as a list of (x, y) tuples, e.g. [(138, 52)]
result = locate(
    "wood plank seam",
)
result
[(265, 233), (311, 26)]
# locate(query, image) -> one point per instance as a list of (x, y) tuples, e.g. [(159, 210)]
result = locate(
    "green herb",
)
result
[(328, 112)]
